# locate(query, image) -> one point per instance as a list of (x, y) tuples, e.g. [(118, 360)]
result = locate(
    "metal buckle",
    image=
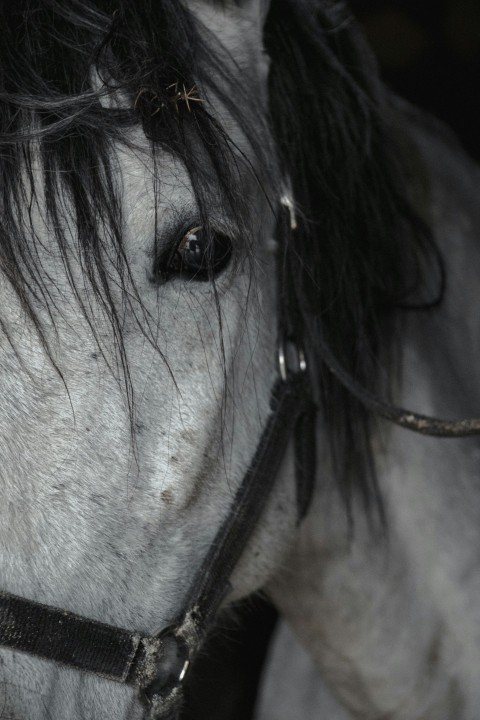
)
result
[(291, 359), (171, 666)]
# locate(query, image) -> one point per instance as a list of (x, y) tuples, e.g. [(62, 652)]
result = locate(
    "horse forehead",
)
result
[(238, 28), (142, 205)]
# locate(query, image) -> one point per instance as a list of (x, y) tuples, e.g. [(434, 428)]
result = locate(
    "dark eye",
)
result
[(198, 255)]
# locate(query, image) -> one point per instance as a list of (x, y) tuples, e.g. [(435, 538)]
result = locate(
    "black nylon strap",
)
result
[(305, 458), (117, 654), (66, 638), (288, 401)]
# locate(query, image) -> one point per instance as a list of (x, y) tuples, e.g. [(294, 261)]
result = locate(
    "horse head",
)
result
[(190, 192), (138, 347)]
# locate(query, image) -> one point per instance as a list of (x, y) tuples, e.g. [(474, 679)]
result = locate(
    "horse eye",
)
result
[(199, 255)]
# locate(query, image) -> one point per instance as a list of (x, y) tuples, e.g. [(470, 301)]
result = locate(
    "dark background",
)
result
[(429, 52)]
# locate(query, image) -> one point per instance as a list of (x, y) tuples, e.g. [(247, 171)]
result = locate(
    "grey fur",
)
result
[(114, 532)]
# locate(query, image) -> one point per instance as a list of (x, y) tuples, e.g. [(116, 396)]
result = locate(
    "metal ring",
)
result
[(171, 665), (283, 365)]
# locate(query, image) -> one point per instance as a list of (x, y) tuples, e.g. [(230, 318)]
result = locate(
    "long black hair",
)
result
[(361, 256), (360, 252)]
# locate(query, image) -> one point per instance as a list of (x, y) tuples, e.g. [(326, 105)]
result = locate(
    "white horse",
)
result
[(144, 152)]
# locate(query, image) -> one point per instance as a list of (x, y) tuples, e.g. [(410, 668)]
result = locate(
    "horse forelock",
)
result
[(79, 77), (78, 81)]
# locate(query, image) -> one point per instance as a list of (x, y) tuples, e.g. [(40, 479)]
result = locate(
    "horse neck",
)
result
[(393, 620)]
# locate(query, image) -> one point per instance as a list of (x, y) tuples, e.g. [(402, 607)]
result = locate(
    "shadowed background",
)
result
[(429, 52)]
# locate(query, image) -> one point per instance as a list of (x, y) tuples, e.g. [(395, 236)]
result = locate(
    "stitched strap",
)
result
[(66, 638), (90, 646)]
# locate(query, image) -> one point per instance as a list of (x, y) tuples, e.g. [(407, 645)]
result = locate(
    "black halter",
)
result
[(157, 665)]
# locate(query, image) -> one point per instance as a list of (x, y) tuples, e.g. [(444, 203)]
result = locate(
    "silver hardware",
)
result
[(184, 671), (291, 359), (287, 202), (168, 663)]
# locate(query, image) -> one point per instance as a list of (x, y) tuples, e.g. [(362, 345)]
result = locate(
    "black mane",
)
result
[(360, 250), (362, 254)]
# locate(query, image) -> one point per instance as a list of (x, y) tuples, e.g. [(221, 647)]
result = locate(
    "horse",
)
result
[(229, 258)]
